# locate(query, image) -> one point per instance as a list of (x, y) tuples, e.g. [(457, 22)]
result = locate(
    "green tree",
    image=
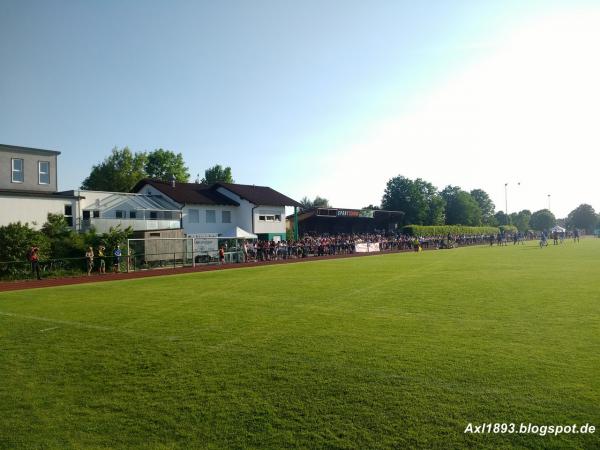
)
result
[(306, 204), (521, 220), (583, 217), (15, 241), (217, 174), (64, 241), (542, 220), (119, 171), (501, 218), (164, 164), (320, 202), (461, 208), (418, 199), (116, 236), (485, 204)]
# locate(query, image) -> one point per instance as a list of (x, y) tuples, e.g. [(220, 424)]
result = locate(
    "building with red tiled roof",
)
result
[(225, 208)]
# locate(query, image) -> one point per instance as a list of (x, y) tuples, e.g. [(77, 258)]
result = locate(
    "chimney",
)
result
[(197, 178), (173, 181)]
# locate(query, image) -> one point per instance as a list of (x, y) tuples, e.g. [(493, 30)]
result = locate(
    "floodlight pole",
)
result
[(506, 198), (549, 203)]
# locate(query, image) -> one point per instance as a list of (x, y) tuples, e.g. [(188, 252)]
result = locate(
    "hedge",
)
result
[(443, 230), (508, 229)]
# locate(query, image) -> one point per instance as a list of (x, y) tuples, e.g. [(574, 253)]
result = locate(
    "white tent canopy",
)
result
[(558, 229), (238, 233)]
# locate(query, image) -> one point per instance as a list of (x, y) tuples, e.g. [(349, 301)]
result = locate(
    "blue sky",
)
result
[(327, 98)]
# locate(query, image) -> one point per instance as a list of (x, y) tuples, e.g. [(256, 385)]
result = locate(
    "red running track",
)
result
[(96, 277)]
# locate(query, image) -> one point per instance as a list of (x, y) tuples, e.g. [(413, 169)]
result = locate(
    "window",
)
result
[(153, 215), (211, 216), (96, 214), (43, 172), (17, 171), (119, 214), (132, 214), (270, 218), (69, 214), (226, 216), (193, 216), (154, 234)]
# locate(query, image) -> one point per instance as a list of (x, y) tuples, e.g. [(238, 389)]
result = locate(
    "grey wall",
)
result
[(30, 161)]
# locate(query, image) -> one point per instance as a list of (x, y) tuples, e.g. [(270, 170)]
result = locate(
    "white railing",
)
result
[(103, 225)]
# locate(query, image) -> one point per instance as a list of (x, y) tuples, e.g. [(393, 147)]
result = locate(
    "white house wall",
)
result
[(261, 227), (244, 210), (32, 210), (203, 227)]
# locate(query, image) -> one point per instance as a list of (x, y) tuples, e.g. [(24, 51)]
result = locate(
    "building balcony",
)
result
[(103, 225)]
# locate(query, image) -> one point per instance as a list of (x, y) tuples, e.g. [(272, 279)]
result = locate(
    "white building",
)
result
[(28, 192), (28, 185), (224, 208)]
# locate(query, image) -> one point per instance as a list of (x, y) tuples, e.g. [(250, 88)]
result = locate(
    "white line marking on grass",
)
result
[(87, 326), (49, 329)]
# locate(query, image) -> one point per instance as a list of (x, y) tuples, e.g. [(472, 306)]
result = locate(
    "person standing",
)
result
[(117, 258), (101, 259), (34, 258), (89, 258)]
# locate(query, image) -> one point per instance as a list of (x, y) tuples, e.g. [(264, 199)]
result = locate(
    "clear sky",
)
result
[(328, 98)]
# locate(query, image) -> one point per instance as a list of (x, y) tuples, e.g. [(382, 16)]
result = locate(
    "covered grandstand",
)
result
[(345, 221)]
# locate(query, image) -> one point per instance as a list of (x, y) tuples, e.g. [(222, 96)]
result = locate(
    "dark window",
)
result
[(153, 215), (96, 214), (68, 210), (154, 234), (86, 215), (132, 215), (119, 214)]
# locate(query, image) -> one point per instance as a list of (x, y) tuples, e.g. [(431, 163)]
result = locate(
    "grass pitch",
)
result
[(399, 351)]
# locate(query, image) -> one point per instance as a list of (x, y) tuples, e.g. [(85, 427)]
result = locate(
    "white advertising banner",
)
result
[(205, 242), (364, 247)]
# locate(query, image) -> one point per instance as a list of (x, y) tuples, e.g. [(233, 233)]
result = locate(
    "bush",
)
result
[(15, 241), (510, 229)]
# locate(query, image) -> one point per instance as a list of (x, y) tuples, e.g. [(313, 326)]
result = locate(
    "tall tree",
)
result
[(306, 203), (542, 220), (521, 220), (501, 218), (164, 164), (119, 171), (583, 217), (418, 199), (485, 204), (461, 208), (217, 174), (320, 202)]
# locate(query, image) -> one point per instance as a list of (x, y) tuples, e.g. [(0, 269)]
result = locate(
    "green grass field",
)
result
[(398, 351)]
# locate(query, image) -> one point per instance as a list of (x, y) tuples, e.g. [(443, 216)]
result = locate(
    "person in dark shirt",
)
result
[(34, 259)]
